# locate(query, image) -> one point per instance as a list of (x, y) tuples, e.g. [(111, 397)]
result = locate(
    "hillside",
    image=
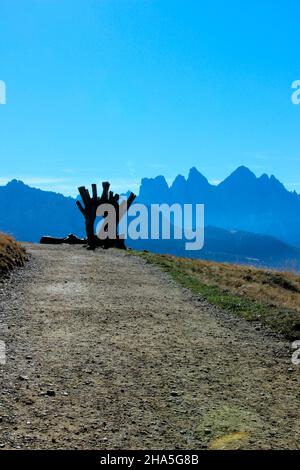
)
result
[(237, 247), (28, 213), (11, 254), (268, 298)]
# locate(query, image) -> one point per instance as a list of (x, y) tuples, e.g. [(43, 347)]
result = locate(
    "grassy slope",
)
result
[(11, 254), (270, 297)]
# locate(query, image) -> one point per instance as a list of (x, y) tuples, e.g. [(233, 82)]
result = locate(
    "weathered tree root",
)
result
[(88, 207)]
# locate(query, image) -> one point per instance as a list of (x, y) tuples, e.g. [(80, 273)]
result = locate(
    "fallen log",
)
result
[(71, 239)]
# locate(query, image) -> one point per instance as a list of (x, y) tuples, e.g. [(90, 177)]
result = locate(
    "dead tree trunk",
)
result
[(89, 207)]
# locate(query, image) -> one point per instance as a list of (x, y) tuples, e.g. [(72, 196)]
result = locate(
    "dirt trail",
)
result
[(105, 351)]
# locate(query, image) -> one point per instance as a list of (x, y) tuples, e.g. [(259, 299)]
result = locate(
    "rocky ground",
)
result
[(104, 351)]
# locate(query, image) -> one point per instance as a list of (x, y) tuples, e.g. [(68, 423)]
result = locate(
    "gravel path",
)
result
[(105, 351)]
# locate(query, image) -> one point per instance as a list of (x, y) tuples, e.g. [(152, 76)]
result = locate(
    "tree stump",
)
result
[(89, 208)]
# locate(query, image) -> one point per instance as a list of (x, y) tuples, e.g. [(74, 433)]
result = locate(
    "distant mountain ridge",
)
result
[(241, 213), (28, 213), (237, 247), (241, 202)]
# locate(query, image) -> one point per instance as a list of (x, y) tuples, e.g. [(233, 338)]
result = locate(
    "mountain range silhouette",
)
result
[(249, 219), (240, 202)]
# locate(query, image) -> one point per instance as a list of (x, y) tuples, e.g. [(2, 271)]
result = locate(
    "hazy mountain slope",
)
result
[(236, 247), (28, 213)]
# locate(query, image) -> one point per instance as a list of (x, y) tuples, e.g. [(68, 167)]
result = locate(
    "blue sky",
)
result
[(122, 89)]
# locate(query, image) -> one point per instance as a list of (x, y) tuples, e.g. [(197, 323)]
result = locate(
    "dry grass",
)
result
[(11, 254), (269, 297), (271, 287)]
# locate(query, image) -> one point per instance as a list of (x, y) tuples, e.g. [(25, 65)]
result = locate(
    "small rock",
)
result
[(23, 377), (28, 401), (51, 393)]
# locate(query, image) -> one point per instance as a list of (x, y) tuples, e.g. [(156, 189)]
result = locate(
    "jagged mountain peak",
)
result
[(160, 179), (241, 175), (153, 189), (195, 177), (16, 183), (271, 182), (179, 178), (179, 183)]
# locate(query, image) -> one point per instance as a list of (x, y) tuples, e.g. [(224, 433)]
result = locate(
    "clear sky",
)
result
[(122, 89)]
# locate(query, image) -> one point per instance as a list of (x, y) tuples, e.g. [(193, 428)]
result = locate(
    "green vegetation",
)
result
[(227, 427)]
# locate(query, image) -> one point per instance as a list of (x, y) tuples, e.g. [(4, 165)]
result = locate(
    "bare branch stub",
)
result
[(89, 207)]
